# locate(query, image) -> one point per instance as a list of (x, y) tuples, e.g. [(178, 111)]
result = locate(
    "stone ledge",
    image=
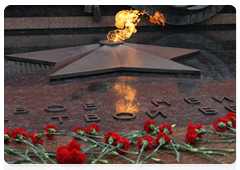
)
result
[(87, 22)]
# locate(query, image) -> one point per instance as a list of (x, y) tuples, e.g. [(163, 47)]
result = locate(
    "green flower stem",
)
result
[(197, 151), (95, 136), (131, 134), (5, 153), (180, 141), (151, 154), (149, 135), (38, 155), (232, 129), (211, 152), (224, 141), (93, 146), (147, 157), (101, 160), (86, 139), (116, 153), (213, 149), (45, 154), (143, 147), (32, 146), (102, 154), (156, 159), (15, 152), (134, 153), (177, 153), (45, 163), (203, 131), (160, 152), (132, 142), (211, 157)]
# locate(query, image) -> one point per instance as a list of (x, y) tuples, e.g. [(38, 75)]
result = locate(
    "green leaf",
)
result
[(19, 162)]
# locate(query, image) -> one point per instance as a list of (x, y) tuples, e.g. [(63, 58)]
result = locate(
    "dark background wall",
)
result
[(34, 28)]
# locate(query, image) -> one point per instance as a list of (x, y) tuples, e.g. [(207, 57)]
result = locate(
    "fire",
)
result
[(157, 18), (127, 20), (129, 103)]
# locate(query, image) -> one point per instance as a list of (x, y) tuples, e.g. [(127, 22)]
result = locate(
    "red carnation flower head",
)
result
[(79, 130), (197, 128), (70, 154), (19, 133), (162, 138), (112, 138), (231, 114), (36, 137), (123, 144), (146, 139), (63, 155), (50, 129), (149, 125), (166, 128), (93, 129), (7, 135), (220, 125), (73, 145), (77, 157), (230, 121), (191, 136)]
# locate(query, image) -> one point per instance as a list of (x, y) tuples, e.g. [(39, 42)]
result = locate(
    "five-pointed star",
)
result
[(95, 59)]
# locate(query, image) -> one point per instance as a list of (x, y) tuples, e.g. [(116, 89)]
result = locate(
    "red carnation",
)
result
[(92, 128), (124, 143), (70, 154), (220, 125), (52, 128), (77, 157), (149, 125), (20, 131), (166, 127), (162, 135), (73, 145), (78, 130), (199, 126), (36, 137), (63, 155), (114, 136), (7, 135), (150, 142), (231, 114), (191, 135), (232, 120)]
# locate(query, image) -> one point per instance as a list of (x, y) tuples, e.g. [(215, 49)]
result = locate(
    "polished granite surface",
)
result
[(33, 90)]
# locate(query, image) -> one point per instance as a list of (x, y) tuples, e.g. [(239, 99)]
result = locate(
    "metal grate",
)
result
[(18, 67)]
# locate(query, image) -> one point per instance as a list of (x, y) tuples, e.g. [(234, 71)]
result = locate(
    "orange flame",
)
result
[(129, 103), (126, 21), (157, 18)]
